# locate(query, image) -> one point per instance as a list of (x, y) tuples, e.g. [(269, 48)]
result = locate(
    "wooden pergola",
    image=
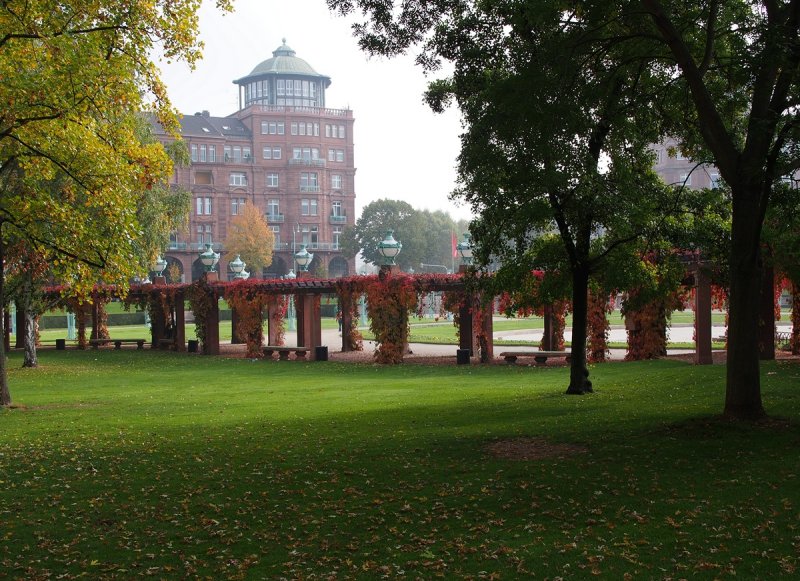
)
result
[(307, 294)]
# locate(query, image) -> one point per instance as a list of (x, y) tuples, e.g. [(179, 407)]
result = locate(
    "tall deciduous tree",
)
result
[(72, 166), (426, 235), (250, 237), (723, 78)]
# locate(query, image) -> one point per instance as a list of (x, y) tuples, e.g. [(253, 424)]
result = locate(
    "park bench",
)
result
[(168, 343), (540, 357), (95, 343), (284, 351)]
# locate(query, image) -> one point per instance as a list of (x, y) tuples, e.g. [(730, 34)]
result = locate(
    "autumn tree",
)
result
[(250, 237), (722, 78), (72, 166)]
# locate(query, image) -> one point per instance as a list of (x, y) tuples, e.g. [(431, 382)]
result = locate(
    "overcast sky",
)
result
[(402, 149)]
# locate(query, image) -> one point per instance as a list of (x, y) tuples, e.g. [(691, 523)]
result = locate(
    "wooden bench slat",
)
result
[(117, 342), (284, 351), (540, 357)]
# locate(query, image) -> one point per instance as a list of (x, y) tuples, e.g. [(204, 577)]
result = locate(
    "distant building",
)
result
[(677, 170), (283, 151)]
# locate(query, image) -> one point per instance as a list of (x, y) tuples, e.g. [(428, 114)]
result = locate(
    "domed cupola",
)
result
[(284, 79)]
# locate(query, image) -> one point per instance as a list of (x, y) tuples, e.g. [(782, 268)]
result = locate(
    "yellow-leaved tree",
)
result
[(250, 238), (74, 170)]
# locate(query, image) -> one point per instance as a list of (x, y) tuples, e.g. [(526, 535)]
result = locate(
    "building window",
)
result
[(337, 232), (715, 180), (685, 179), (194, 153), (336, 209), (305, 153), (310, 236), (274, 208), (237, 206), (202, 178), (271, 152), (237, 178), (341, 131), (212, 154), (272, 180), (336, 181), (228, 153), (203, 206), (308, 207), (309, 182), (204, 233), (336, 155), (276, 232), (272, 128), (247, 155)]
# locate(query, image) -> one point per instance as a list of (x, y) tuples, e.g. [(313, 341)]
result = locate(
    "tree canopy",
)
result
[(74, 170), (721, 77), (426, 235), (250, 237)]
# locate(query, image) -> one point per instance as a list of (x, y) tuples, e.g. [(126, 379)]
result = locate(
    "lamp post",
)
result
[(209, 258), (389, 248), (465, 250), (237, 268), (158, 266), (303, 258)]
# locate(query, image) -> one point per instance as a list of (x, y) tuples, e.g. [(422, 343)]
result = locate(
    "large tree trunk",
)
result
[(5, 394), (29, 328), (30, 340), (743, 392), (579, 374)]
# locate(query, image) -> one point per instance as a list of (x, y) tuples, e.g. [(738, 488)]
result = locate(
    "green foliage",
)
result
[(426, 236), (569, 81), (137, 466)]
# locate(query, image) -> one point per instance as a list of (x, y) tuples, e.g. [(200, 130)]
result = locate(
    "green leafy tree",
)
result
[(722, 78), (72, 165), (547, 149), (370, 229), (426, 235), (250, 237)]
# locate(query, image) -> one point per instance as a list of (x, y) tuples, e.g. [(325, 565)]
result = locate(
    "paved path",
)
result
[(678, 333)]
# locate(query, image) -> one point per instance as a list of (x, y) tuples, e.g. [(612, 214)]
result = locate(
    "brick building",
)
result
[(677, 170), (283, 151)]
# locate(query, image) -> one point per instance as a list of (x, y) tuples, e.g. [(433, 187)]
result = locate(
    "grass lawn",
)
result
[(120, 464)]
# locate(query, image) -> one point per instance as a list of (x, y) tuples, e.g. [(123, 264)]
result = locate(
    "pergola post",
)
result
[(311, 324), (211, 344), (487, 334), (465, 331), (702, 318), (180, 323), (272, 328), (766, 319), (158, 326), (95, 318), (235, 339), (346, 313), (547, 339)]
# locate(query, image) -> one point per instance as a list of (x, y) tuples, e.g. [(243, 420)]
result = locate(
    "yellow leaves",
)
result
[(250, 237)]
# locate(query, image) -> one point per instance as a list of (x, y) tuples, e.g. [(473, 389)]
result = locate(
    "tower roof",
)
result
[(283, 62)]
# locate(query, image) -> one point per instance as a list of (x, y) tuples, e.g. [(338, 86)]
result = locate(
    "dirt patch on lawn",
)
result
[(532, 449)]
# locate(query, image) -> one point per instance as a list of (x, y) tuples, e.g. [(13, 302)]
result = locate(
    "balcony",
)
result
[(307, 162), (335, 219), (312, 246), (307, 189), (193, 246), (276, 218)]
